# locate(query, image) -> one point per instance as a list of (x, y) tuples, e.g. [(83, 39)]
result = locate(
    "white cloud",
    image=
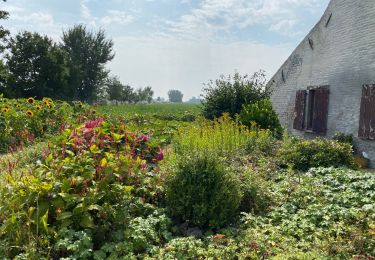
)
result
[(166, 62), (214, 16), (39, 21), (118, 17), (112, 17)]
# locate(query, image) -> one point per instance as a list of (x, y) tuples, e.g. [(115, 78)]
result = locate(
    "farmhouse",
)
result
[(327, 85)]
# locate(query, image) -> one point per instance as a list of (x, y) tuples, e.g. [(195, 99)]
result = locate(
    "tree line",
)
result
[(34, 65)]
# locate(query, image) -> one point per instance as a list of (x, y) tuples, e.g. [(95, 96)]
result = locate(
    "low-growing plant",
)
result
[(304, 154), (202, 192), (87, 182)]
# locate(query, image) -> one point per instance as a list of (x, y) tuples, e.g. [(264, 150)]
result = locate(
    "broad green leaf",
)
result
[(44, 222), (64, 215), (87, 221)]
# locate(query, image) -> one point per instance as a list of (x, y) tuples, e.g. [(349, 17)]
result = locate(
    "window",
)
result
[(316, 109), (310, 109), (367, 115)]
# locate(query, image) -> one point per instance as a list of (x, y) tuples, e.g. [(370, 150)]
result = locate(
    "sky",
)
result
[(178, 44)]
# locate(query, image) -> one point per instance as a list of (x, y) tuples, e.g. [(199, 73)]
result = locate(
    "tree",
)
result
[(114, 89), (119, 92), (175, 96), (37, 67), (3, 32), (88, 54), (229, 94), (145, 94), (195, 100), (3, 38)]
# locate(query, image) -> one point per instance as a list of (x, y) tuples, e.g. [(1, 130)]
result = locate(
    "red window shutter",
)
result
[(320, 112), (367, 114), (299, 110)]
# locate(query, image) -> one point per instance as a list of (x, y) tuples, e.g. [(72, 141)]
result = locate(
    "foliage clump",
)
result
[(203, 193), (90, 183), (262, 115), (221, 137), (229, 94), (304, 154), (22, 121)]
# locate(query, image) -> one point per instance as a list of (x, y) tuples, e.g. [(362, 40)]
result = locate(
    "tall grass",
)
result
[(221, 137)]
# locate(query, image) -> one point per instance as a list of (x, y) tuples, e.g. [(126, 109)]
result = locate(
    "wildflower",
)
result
[(94, 123), (145, 138), (38, 108), (29, 113), (160, 155), (31, 100), (5, 109), (80, 105)]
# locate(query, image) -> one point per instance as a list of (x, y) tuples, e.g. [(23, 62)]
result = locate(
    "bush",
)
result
[(320, 152), (202, 193), (228, 94), (263, 115)]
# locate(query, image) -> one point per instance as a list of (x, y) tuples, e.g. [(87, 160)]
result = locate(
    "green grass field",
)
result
[(151, 109)]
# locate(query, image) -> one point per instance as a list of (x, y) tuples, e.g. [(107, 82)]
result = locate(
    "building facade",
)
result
[(326, 85)]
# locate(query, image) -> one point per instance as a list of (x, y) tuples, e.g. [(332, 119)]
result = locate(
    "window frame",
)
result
[(316, 106)]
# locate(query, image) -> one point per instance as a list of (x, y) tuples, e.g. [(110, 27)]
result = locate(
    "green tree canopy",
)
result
[(175, 96), (88, 54), (3, 35), (144, 94), (3, 32), (37, 67), (119, 92)]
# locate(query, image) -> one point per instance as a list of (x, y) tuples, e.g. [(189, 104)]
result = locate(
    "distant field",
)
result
[(154, 109)]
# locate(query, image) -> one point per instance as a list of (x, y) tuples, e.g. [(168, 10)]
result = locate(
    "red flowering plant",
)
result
[(92, 176)]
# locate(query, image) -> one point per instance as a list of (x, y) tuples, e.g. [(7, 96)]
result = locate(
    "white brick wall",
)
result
[(343, 57)]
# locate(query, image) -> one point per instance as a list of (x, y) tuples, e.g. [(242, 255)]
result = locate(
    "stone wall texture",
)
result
[(340, 52)]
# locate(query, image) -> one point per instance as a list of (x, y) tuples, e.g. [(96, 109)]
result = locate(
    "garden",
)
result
[(177, 181)]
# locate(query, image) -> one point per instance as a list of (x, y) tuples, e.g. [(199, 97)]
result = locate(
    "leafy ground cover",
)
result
[(101, 189)]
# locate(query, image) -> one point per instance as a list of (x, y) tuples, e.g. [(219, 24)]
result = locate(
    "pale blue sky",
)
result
[(179, 44)]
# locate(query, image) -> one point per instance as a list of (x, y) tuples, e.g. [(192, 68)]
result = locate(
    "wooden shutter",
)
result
[(299, 110), (320, 112), (367, 116)]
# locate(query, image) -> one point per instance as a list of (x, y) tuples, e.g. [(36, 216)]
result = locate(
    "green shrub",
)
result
[(228, 94), (305, 154), (343, 138), (202, 192), (261, 114)]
